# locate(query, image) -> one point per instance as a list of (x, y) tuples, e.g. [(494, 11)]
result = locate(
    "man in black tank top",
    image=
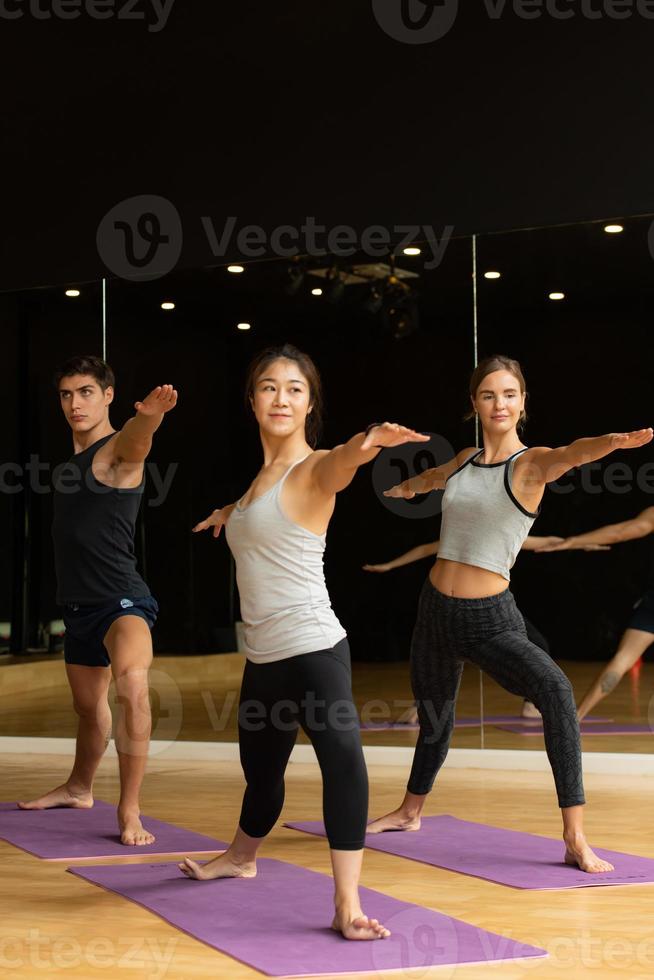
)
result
[(107, 607)]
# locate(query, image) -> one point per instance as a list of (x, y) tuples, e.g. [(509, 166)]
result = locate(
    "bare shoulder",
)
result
[(464, 454)]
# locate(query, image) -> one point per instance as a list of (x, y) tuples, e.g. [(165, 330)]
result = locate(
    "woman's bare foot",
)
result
[(132, 831), (353, 924), (397, 820), (578, 851), (529, 710), (61, 796), (220, 867)]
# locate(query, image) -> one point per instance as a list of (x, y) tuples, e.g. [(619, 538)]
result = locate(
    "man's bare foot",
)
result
[(61, 796), (222, 866), (578, 852), (397, 820), (132, 831), (356, 925), (529, 710)]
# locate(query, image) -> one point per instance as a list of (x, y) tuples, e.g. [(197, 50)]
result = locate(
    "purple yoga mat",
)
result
[(278, 922), (64, 834), (592, 727), (508, 857)]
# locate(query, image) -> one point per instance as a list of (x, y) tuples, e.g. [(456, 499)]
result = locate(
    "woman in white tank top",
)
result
[(297, 669), (466, 611)]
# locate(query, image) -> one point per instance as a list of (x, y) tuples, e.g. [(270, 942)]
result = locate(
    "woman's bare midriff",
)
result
[(465, 581)]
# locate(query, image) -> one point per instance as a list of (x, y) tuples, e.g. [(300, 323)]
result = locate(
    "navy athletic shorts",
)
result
[(86, 627), (642, 617)]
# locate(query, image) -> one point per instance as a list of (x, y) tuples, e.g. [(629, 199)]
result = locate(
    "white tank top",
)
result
[(483, 523), (281, 582)]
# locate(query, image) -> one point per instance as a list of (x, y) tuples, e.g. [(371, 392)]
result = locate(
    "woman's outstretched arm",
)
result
[(414, 554), (531, 543), (544, 465), (333, 469), (217, 520), (609, 534), (432, 479)]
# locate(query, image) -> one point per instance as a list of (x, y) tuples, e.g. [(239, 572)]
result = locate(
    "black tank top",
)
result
[(93, 535)]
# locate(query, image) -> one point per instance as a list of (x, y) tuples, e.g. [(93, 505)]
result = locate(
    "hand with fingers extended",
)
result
[(391, 434), (631, 440), (217, 519), (160, 400), (400, 492)]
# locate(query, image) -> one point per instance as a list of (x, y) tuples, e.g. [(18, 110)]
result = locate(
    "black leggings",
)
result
[(490, 633), (313, 690)]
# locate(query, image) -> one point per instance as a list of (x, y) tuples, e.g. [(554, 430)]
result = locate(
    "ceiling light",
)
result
[(613, 229), (492, 275), (412, 250), (317, 291), (72, 292), (235, 268), (167, 306), (557, 296), (243, 326)]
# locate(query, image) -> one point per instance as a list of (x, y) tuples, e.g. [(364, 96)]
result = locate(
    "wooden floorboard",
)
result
[(54, 925)]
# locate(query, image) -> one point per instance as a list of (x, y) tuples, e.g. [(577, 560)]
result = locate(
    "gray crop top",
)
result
[(483, 523)]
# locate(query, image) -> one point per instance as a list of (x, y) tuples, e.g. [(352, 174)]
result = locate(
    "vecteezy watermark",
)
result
[(153, 12), (426, 21), (394, 466), (416, 21), (36, 950), (141, 238), (67, 478), (316, 240)]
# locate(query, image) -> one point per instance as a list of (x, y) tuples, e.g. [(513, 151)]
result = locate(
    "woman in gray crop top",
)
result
[(466, 610), (297, 670)]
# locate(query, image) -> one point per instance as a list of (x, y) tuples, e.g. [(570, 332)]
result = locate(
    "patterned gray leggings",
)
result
[(490, 633)]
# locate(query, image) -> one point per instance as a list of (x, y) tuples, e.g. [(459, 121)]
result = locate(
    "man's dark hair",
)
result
[(86, 364)]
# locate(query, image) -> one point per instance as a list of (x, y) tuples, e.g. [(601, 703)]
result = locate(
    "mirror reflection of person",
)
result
[(532, 542), (639, 634), (466, 610), (108, 610), (297, 669)]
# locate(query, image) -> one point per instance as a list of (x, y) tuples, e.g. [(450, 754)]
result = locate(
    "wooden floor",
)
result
[(54, 925), (195, 698)]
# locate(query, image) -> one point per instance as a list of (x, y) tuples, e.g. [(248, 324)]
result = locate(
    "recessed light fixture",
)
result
[(412, 250), (557, 296), (235, 268), (317, 291), (613, 229), (167, 306), (492, 275), (243, 326), (72, 292)]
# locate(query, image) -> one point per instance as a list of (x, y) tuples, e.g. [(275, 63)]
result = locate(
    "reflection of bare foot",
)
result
[(397, 820), (220, 867), (61, 796), (356, 925), (132, 831), (529, 710), (578, 851)]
